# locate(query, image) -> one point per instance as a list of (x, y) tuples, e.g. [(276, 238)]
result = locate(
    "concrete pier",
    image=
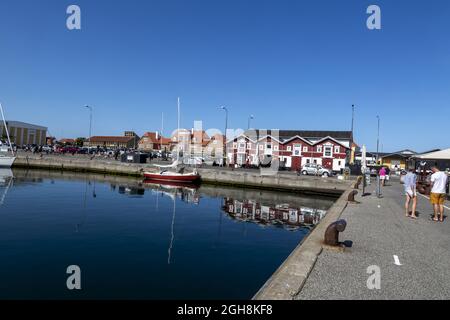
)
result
[(412, 255)]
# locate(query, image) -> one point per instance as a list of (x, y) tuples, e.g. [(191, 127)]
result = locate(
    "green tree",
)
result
[(79, 141)]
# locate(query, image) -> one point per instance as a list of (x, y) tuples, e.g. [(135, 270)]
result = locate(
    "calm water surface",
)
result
[(137, 240)]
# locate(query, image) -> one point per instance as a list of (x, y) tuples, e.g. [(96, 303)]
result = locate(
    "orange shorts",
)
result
[(437, 198)]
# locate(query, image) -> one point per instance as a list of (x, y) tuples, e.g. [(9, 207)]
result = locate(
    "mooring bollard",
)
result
[(351, 196), (332, 232), (358, 182)]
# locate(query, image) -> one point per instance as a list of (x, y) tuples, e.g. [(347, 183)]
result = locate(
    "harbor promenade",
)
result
[(413, 255)]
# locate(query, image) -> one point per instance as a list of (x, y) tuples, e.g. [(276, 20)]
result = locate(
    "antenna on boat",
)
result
[(6, 128)]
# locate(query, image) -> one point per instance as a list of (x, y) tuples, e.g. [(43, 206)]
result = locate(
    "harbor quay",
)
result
[(252, 178), (383, 254), (390, 256)]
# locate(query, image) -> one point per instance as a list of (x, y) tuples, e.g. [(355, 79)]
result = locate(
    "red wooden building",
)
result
[(293, 149)]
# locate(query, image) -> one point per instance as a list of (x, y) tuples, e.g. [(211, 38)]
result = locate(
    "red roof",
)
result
[(119, 139), (67, 140), (154, 139)]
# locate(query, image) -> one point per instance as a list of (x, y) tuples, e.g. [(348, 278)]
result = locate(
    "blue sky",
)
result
[(293, 64)]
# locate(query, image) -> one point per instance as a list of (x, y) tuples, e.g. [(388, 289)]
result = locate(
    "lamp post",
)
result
[(225, 135), (353, 116), (378, 138), (378, 156), (90, 124), (251, 117)]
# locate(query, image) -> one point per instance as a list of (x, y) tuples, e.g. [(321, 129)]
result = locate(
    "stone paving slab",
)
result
[(379, 230)]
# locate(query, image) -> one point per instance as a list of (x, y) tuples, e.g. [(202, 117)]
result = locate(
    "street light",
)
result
[(378, 156), (225, 135), (90, 124), (378, 138), (250, 118)]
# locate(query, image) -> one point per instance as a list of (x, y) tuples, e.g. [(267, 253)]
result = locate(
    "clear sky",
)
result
[(293, 64)]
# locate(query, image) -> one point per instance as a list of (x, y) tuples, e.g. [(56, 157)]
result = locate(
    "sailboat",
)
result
[(173, 176), (5, 160)]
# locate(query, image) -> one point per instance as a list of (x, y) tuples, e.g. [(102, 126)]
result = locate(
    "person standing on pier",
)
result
[(382, 175), (411, 193), (437, 197)]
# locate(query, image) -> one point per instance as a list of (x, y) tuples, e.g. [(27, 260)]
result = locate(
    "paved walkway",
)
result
[(379, 230)]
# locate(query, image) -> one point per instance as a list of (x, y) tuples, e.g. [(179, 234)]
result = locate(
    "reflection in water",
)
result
[(6, 181), (282, 215), (130, 191), (185, 192), (174, 191)]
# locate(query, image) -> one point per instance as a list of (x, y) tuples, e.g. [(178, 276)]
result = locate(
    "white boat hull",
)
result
[(6, 162)]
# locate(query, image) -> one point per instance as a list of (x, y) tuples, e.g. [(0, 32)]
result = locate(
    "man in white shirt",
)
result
[(437, 197)]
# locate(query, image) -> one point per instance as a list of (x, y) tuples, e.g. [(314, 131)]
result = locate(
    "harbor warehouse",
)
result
[(22, 133)]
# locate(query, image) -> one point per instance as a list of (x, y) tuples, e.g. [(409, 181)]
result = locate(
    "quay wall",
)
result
[(216, 176), (289, 279)]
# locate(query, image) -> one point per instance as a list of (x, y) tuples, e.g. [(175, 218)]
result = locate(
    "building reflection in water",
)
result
[(281, 215)]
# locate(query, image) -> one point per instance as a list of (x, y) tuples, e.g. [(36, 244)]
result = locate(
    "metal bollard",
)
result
[(332, 232), (358, 182), (351, 196)]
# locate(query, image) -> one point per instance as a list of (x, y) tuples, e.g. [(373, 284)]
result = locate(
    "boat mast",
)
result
[(162, 129), (6, 128), (178, 129)]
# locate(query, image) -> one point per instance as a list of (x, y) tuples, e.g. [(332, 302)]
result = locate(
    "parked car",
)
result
[(193, 161), (315, 169), (72, 150), (47, 148)]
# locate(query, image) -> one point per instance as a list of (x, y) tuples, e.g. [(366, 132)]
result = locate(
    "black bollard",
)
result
[(332, 232)]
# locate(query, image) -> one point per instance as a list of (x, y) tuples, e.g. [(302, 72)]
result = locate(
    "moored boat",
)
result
[(173, 176), (5, 160)]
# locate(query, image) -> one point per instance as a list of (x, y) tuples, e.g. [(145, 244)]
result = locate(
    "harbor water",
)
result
[(142, 240)]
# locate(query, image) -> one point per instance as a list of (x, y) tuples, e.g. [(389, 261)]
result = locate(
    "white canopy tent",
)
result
[(436, 155)]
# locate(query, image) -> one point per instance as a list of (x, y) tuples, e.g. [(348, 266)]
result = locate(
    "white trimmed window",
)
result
[(319, 148), (297, 149), (289, 148), (337, 149), (261, 147), (275, 148), (305, 149), (249, 146), (328, 152), (234, 145)]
